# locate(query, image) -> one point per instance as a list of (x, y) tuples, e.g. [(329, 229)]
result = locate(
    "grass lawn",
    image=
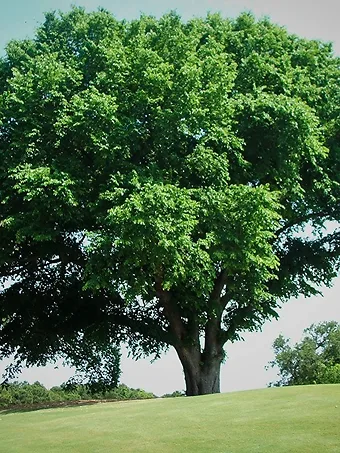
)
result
[(302, 419)]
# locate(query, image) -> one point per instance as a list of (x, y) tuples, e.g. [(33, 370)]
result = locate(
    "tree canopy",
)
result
[(156, 179), (313, 360)]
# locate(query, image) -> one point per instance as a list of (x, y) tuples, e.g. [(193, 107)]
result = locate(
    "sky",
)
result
[(245, 366)]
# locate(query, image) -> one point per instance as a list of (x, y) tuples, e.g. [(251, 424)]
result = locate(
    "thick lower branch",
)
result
[(171, 312), (220, 283)]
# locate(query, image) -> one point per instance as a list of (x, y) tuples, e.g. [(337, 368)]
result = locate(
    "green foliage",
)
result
[(314, 360), (97, 366), (155, 180), (330, 374), (23, 393), (122, 392), (175, 394)]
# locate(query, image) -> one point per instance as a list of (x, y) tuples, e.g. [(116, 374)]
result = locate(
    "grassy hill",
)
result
[(302, 419)]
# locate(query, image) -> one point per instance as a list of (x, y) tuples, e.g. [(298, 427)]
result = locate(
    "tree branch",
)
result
[(300, 220), (237, 322), (220, 283), (171, 311)]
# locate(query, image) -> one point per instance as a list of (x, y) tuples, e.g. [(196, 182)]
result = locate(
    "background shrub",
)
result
[(23, 393)]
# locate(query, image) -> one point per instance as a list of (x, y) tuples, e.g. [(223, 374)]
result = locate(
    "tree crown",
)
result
[(157, 159)]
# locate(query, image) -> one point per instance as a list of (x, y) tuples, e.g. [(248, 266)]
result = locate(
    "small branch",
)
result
[(81, 240), (300, 220), (29, 264), (147, 327), (236, 322)]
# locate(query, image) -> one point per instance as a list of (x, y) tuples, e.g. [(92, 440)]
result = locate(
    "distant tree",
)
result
[(314, 360), (155, 179), (175, 394)]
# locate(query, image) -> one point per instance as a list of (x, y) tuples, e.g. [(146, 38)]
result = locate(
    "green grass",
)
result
[(302, 419)]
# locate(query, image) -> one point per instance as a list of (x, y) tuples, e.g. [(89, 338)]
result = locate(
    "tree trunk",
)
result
[(201, 368), (202, 374)]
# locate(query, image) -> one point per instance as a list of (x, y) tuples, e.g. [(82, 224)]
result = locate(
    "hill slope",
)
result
[(291, 419)]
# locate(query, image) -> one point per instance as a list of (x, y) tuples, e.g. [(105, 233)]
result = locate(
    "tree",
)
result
[(156, 180), (314, 360)]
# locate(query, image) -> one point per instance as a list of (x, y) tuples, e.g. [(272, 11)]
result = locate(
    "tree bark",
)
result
[(201, 368), (202, 374)]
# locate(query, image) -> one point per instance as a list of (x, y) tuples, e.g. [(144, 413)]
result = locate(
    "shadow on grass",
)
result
[(50, 405)]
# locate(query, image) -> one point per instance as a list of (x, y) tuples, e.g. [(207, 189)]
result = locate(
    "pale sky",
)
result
[(244, 368)]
